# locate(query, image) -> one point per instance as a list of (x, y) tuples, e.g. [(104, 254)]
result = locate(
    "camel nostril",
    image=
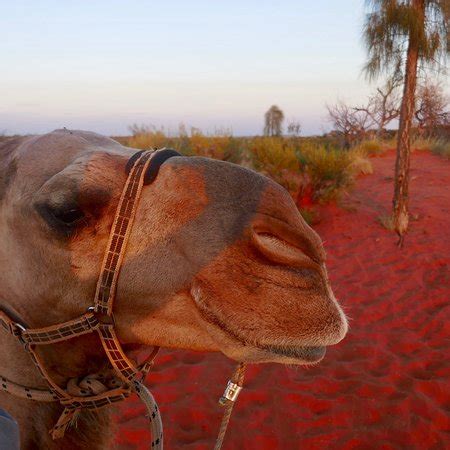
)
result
[(280, 251), (287, 239)]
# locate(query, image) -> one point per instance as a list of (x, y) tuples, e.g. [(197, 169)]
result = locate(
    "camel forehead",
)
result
[(52, 152), (59, 147), (38, 158)]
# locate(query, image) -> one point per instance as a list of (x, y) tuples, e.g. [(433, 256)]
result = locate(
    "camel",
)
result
[(219, 260)]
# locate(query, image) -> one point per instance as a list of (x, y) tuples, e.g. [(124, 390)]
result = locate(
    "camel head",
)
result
[(219, 258)]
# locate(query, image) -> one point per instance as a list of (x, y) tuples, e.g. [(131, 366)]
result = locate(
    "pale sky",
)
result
[(104, 65)]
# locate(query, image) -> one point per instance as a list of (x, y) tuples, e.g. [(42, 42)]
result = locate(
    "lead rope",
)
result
[(228, 399), (156, 426)]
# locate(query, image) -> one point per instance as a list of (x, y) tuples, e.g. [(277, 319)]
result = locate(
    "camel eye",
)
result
[(69, 216), (64, 219)]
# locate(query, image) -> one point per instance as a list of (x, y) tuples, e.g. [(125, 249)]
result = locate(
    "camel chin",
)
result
[(238, 348)]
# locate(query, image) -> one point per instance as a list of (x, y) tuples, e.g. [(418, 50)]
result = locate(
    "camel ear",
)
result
[(157, 161)]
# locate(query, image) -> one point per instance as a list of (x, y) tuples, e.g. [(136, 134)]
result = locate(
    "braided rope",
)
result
[(153, 415), (238, 379), (40, 395)]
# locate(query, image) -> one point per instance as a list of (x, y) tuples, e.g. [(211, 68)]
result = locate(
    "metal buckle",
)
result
[(231, 393), (20, 327), (17, 330), (103, 319)]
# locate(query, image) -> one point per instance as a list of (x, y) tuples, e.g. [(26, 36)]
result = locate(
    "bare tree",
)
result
[(351, 123), (294, 127), (273, 121), (431, 108), (384, 105)]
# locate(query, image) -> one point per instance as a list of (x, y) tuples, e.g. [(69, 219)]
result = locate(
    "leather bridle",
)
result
[(97, 390)]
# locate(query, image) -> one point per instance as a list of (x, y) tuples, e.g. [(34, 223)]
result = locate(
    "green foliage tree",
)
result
[(400, 36), (273, 121)]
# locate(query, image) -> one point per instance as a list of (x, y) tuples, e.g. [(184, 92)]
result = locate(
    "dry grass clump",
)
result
[(441, 148), (360, 162), (371, 148), (421, 144), (387, 221)]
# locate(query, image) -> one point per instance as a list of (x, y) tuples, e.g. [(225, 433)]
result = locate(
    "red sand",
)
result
[(386, 386)]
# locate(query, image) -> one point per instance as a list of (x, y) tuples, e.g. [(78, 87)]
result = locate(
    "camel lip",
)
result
[(305, 353)]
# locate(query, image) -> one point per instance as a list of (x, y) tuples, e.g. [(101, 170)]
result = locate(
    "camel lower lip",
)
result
[(310, 354)]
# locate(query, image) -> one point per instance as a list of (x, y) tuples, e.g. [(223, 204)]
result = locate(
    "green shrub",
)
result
[(441, 148), (276, 157), (327, 172)]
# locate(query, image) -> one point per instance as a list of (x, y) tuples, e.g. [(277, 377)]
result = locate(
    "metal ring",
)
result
[(20, 327)]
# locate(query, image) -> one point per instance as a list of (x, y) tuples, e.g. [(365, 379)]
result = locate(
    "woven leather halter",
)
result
[(99, 318), (98, 390)]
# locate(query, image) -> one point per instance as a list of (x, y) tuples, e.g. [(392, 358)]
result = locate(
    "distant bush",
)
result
[(441, 148), (371, 148), (276, 157), (222, 145), (327, 173), (421, 143), (147, 137)]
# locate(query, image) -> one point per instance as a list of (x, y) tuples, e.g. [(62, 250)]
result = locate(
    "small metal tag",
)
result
[(231, 392)]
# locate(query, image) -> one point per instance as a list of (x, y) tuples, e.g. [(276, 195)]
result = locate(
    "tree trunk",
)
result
[(401, 193)]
